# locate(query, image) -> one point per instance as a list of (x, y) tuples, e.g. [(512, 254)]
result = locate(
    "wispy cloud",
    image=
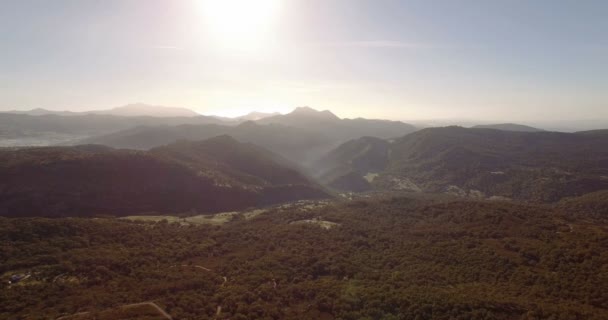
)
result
[(386, 44), (166, 48)]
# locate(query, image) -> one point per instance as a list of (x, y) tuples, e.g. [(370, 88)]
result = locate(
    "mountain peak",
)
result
[(308, 111), (142, 109)]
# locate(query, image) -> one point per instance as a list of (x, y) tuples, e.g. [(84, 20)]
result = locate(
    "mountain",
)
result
[(215, 175), (301, 136), (509, 127), (354, 164), (130, 110), (533, 166), (296, 144), (303, 116), (145, 110), (42, 112), (339, 130)]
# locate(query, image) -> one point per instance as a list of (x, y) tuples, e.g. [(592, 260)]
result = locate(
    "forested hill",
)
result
[(185, 176)]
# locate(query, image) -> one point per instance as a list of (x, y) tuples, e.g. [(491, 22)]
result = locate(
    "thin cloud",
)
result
[(167, 48), (386, 44)]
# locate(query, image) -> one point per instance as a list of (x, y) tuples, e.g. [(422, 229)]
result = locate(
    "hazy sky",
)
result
[(506, 60)]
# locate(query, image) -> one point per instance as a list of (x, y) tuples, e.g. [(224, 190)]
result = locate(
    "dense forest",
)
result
[(391, 258)]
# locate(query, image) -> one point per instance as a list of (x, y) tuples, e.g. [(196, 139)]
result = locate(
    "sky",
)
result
[(508, 60)]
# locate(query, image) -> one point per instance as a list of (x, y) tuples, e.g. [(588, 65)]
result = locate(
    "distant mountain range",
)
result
[(215, 175), (301, 136), (125, 127), (535, 166), (130, 110)]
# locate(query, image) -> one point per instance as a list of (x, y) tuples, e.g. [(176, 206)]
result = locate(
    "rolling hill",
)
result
[(215, 175), (296, 144)]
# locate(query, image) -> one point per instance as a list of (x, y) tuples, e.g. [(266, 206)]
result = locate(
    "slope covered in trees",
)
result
[(398, 258), (346, 167)]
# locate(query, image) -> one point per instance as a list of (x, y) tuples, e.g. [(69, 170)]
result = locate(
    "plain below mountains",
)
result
[(215, 175), (483, 163), (42, 127), (130, 110)]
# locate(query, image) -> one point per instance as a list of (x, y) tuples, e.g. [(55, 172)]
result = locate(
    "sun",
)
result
[(241, 25)]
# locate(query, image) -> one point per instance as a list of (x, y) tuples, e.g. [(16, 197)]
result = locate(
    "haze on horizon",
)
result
[(404, 60)]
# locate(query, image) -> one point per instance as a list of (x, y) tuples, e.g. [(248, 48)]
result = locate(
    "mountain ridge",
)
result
[(508, 127), (130, 110), (531, 166)]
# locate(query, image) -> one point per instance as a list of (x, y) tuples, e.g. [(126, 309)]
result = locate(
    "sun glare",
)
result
[(241, 25)]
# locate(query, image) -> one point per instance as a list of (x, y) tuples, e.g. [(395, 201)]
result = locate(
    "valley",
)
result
[(306, 216), (298, 160)]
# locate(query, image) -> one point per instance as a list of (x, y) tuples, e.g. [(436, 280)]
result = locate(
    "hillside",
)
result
[(216, 175), (593, 204), (540, 166), (509, 127), (298, 145), (396, 258)]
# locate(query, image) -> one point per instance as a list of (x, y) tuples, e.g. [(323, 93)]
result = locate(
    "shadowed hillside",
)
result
[(509, 127), (296, 144), (210, 176), (352, 165)]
